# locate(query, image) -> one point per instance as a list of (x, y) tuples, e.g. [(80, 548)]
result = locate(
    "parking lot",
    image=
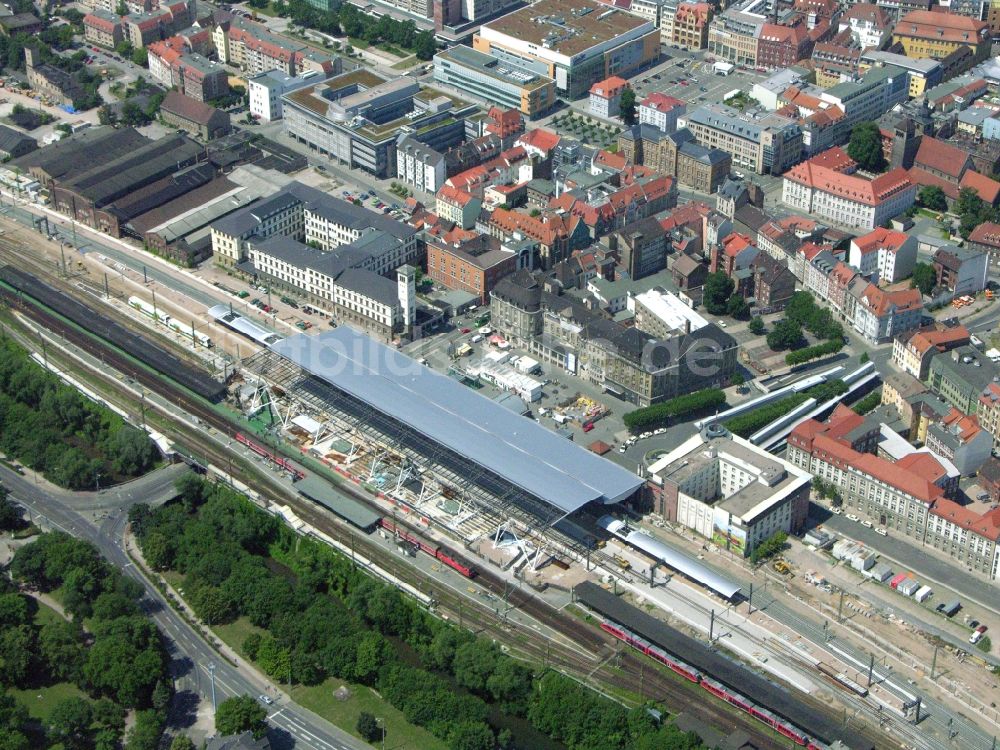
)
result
[(692, 80)]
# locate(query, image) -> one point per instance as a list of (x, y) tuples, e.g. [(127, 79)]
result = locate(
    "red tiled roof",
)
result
[(867, 12), (608, 159), (736, 243), (454, 195), (939, 26), (922, 341), (609, 87), (986, 525), (986, 188), (882, 302), (827, 172), (986, 233), (943, 157), (922, 177), (661, 102), (104, 24), (881, 238), (543, 140)]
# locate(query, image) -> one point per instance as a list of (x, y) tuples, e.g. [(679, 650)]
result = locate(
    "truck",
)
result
[(950, 609), (923, 593)]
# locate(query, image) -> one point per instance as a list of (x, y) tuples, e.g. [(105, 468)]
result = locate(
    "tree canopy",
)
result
[(241, 714), (933, 198), (626, 107), (924, 278), (865, 147), (717, 291)]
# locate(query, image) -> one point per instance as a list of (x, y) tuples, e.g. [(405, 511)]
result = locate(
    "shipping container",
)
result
[(923, 593), (897, 579), (908, 587)]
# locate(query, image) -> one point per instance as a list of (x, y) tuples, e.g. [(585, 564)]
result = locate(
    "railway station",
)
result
[(436, 449)]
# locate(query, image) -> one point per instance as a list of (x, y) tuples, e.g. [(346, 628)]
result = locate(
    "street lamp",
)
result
[(211, 671), (380, 723)]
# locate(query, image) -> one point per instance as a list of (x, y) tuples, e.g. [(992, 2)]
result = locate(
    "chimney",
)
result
[(687, 325)]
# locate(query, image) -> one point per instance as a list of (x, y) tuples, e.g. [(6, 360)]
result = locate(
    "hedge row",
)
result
[(814, 352), (657, 414)]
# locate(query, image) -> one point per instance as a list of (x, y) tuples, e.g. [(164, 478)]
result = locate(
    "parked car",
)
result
[(977, 634), (866, 524), (852, 517), (882, 531), (836, 511), (265, 700)]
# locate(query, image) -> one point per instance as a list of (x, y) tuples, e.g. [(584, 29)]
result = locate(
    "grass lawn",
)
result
[(236, 632), (408, 62), (357, 43), (40, 701), (398, 732), (320, 699), (46, 614), (174, 579)]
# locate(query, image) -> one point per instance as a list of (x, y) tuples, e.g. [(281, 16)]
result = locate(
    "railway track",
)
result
[(653, 684)]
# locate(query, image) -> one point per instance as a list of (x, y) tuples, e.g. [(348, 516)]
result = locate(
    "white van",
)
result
[(476, 339)]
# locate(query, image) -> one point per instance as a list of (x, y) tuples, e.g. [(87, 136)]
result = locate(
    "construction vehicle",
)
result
[(782, 567), (622, 562)]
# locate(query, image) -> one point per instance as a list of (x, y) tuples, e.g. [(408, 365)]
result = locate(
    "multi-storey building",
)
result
[(642, 247), (174, 66), (906, 497), (780, 46), (495, 79), (925, 33), (912, 351), (959, 438), (923, 74), (827, 186), (835, 63), (419, 165), (357, 118), (764, 143), (870, 25), (307, 215), (733, 34), (606, 96), (458, 206), (730, 491), (103, 28), (986, 237), (575, 42), (661, 111), (960, 376), (879, 315), (689, 29), (883, 255), (961, 270), (266, 90), (475, 264)]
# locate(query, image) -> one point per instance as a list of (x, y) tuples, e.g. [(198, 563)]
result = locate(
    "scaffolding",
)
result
[(486, 502)]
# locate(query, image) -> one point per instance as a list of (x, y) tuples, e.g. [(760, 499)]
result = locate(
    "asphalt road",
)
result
[(291, 725)]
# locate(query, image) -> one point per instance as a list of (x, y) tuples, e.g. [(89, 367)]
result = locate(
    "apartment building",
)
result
[(828, 187), (905, 496), (575, 42), (870, 25), (961, 270), (103, 28), (924, 33), (884, 256), (879, 315), (763, 143), (912, 351), (959, 438), (960, 376), (780, 46), (458, 206), (606, 97), (986, 237), (661, 111)]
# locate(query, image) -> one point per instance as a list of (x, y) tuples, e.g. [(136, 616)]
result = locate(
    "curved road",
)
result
[(100, 518)]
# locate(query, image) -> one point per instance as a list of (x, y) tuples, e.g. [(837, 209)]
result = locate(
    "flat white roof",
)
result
[(669, 308), (521, 451)]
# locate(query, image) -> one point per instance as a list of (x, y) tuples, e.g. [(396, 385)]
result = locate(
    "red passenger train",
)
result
[(712, 686), (260, 450), (452, 561)]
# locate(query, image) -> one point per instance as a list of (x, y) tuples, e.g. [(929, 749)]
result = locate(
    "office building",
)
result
[(357, 118), (493, 79), (730, 491), (827, 186), (266, 90), (763, 143), (924, 33)]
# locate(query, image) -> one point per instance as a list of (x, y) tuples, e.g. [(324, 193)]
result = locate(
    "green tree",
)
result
[(718, 288), (968, 202), (626, 107), (865, 147), (738, 308), (864, 358), (737, 379), (146, 732), (757, 327), (924, 278), (182, 742), (424, 46), (786, 334), (241, 714), (140, 57), (933, 198), (368, 727), (471, 735), (60, 644), (69, 723), (10, 515)]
